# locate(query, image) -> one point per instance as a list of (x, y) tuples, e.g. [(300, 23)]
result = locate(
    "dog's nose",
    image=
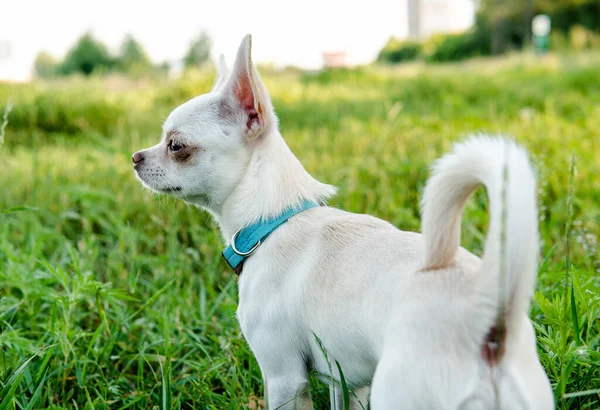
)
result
[(137, 157)]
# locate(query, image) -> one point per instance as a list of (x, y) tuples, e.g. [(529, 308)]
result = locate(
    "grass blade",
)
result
[(11, 384), (10, 393), (570, 276), (16, 209), (166, 370), (44, 364), (345, 391), (37, 393), (166, 386), (575, 317), (151, 300), (581, 393)]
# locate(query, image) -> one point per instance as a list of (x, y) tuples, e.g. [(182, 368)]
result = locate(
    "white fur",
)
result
[(404, 313)]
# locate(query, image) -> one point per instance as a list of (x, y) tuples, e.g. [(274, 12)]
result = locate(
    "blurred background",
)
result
[(112, 297), (43, 40)]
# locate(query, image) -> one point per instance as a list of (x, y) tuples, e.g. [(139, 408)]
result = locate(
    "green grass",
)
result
[(111, 297)]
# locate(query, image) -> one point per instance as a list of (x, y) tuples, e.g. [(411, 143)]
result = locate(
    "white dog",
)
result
[(420, 320)]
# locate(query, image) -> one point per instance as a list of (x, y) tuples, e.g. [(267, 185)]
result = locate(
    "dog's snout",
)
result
[(137, 157)]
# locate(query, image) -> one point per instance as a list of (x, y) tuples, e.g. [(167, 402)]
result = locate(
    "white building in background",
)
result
[(427, 17)]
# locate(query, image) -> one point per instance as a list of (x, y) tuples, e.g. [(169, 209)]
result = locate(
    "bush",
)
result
[(456, 47), (432, 43), (581, 38), (54, 108), (335, 76), (45, 66), (396, 51), (558, 41), (192, 83)]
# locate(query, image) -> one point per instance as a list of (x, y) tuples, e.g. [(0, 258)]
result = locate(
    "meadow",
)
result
[(113, 298)]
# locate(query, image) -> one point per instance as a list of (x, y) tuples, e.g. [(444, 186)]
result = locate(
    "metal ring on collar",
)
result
[(236, 250)]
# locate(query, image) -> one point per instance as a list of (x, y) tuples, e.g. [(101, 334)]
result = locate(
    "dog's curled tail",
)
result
[(509, 263)]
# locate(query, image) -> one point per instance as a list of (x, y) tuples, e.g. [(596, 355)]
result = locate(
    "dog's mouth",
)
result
[(142, 177), (164, 190), (171, 189)]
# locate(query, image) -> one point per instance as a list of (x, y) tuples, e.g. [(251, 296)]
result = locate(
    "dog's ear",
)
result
[(245, 97), (222, 74)]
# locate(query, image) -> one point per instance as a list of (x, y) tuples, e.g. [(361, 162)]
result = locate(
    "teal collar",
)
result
[(247, 240)]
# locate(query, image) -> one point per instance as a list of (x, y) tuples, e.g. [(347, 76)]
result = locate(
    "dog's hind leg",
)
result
[(419, 376), (359, 400), (265, 387)]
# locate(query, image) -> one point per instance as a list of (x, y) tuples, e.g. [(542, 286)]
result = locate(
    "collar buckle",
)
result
[(236, 250)]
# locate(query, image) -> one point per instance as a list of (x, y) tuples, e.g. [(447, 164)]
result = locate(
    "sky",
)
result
[(284, 32)]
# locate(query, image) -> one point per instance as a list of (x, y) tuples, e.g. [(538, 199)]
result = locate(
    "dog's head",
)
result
[(206, 142)]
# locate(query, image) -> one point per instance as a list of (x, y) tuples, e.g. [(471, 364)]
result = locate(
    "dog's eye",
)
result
[(175, 146)]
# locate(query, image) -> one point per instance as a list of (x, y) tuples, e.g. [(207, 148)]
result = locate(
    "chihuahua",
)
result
[(413, 320)]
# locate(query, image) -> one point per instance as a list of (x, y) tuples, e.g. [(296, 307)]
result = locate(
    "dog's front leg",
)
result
[(278, 348), (287, 394), (286, 382)]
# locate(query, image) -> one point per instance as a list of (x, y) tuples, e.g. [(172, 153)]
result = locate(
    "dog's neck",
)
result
[(274, 180)]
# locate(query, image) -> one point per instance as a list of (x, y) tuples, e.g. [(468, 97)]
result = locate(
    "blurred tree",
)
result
[(133, 58), (45, 66), (396, 51), (549, 6), (509, 22), (503, 25), (199, 50), (568, 13), (86, 56)]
